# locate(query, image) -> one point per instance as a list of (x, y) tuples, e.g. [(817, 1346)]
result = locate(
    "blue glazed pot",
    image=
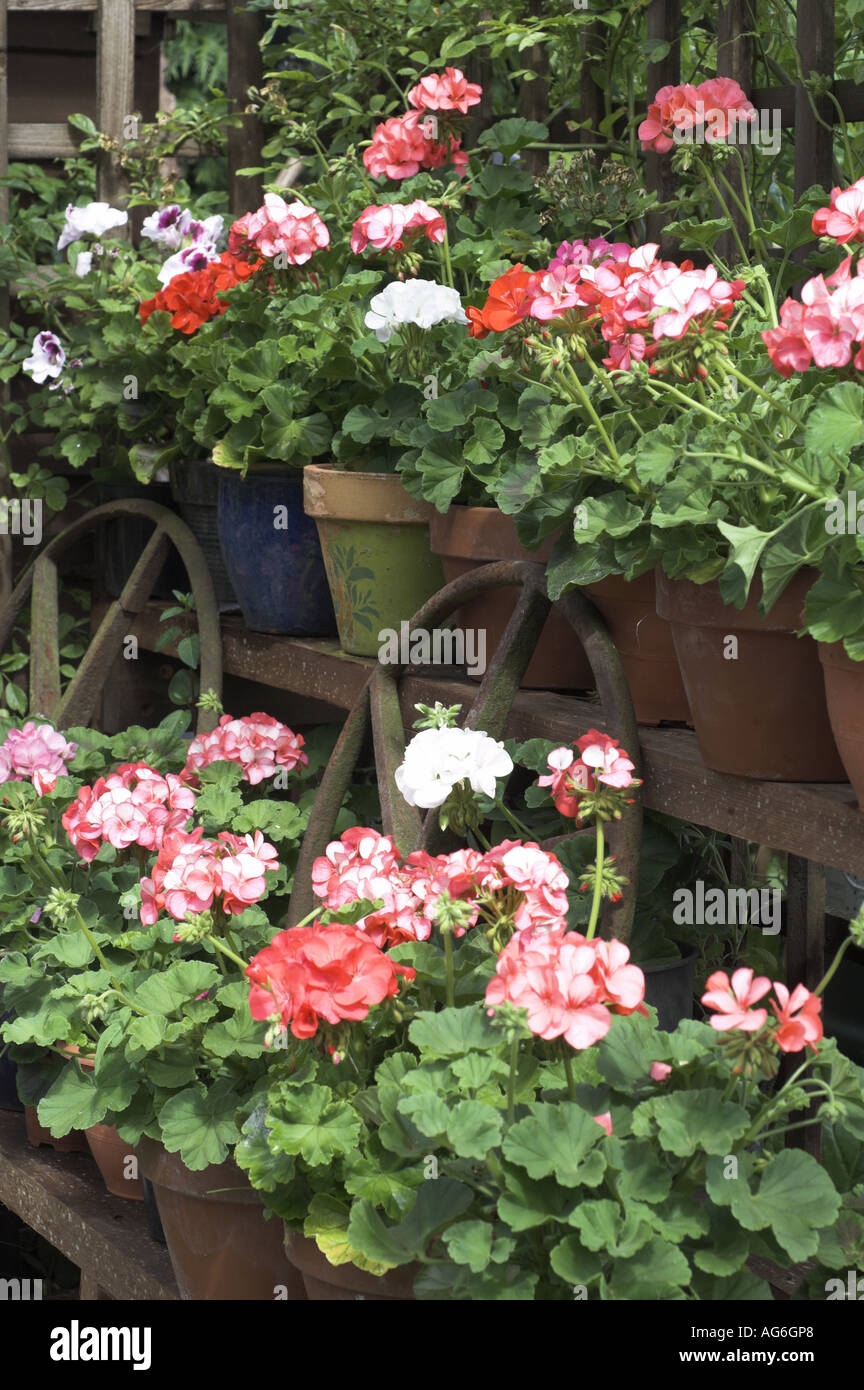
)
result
[(272, 554)]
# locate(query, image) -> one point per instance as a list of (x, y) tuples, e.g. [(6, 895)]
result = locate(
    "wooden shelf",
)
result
[(62, 1197), (815, 821)]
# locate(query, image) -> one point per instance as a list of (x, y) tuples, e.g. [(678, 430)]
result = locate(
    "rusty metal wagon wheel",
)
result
[(378, 709), (76, 706)]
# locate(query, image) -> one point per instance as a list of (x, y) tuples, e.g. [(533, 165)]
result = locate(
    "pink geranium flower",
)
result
[(734, 1000), (447, 91), (843, 219), (258, 743), (135, 805), (798, 1017), (34, 748)]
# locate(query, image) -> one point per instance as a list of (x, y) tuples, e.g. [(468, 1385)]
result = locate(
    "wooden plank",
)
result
[(115, 84), (814, 136), (244, 141), (44, 640), (818, 822), (663, 22), (41, 140), (86, 6), (5, 539), (62, 1197), (734, 59)]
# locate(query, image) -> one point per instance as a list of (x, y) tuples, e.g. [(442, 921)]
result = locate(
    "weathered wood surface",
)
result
[(63, 1198), (818, 822), (115, 85)]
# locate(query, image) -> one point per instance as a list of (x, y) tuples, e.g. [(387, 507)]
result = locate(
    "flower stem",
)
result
[(445, 256), (583, 396), (568, 1072), (521, 830), (226, 951), (511, 1081), (448, 961), (832, 969), (598, 882)]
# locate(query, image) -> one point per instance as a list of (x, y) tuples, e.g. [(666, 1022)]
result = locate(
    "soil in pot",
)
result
[(645, 645), (195, 489), (669, 986), (375, 542), (844, 691), (466, 538), (220, 1244), (116, 1161), (75, 1142), (272, 553), (345, 1283), (755, 689)]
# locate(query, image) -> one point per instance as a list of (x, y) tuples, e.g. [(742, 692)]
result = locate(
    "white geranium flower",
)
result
[(164, 226), (421, 302), (47, 358), (83, 263), (94, 219), (194, 257), (437, 760)]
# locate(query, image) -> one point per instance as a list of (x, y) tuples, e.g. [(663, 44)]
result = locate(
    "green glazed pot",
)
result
[(375, 541)]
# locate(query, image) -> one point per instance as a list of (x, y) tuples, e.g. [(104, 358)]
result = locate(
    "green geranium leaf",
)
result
[(837, 420), (687, 1121), (470, 1243), (200, 1124), (438, 1202), (312, 1123), (453, 1032), (573, 1263), (557, 1139), (165, 992), (603, 1226), (73, 1102), (658, 1269), (474, 1128), (327, 1225), (427, 1111), (794, 1197)]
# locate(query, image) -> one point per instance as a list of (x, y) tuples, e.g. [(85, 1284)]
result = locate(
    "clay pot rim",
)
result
[(225, 1183), (701, 605), (482, 534), (835, 654), (305, 1255), (335, 494)]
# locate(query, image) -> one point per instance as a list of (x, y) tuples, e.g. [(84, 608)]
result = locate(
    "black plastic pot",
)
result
[(669, 986), (8, 1075), (119, 543), (195, 489)]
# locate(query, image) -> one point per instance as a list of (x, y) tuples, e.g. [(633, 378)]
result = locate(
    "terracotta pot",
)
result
[(760, 712), (220, 1244), (644, 641), (342, 1283), (375, 541), (112, 1156), (75, 1142), (467, 538), (844, 690)]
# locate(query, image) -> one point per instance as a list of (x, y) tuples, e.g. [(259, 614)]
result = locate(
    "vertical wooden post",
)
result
[(805, 964), (244, 141), (115, 68), (734, 59), (534, 96), (814, 143), (5, 539), (663, 21), (590, 95)]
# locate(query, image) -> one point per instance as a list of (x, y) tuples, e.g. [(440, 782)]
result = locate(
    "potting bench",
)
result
[(62, 1197)]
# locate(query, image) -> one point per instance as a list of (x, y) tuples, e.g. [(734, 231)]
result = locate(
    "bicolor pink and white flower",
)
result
[(135, 805), (258, 743), (35, 750)]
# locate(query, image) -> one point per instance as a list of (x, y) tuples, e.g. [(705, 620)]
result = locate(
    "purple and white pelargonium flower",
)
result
[(46, 359), (94, 219), (194, 257)]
